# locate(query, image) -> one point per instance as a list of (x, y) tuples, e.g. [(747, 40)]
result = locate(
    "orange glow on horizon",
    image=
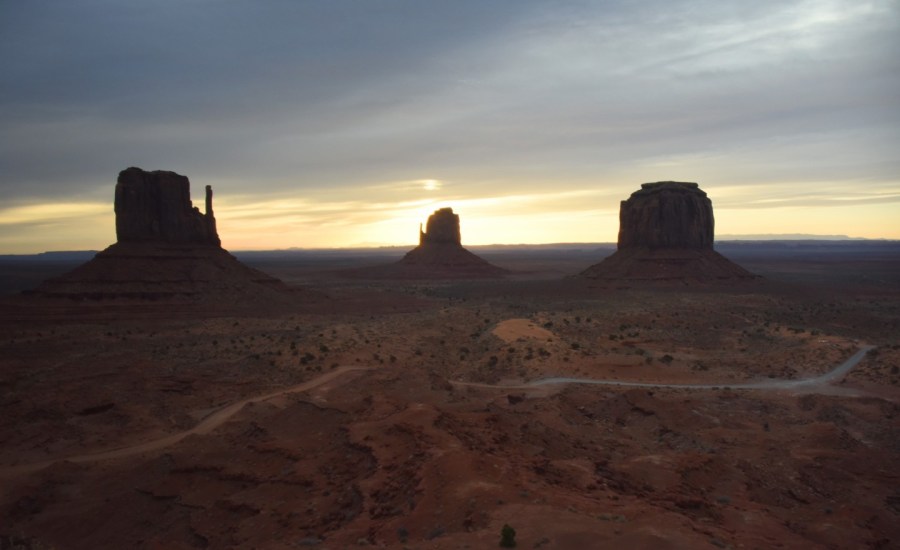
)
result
[(527, 218)]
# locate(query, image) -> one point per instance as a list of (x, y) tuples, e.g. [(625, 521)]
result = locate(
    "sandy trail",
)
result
[(768, 384), (205, 426), (222, 415)]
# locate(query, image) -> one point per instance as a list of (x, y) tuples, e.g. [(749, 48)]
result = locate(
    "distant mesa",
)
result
[(440, 255), (166, 248), (666, 232)]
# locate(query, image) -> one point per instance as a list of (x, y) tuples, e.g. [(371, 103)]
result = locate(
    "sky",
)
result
[(345, 123)]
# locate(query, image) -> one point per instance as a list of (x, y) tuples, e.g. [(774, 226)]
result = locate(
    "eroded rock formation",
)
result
[(440, 255), (667, 214), (166, 249), (442, 228), (666, 232), (156, 207)]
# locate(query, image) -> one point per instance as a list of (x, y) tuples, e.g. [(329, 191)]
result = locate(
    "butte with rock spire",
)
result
[(439, 255), (166, 248)]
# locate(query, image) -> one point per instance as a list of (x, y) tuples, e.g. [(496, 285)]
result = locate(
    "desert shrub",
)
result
[(507, 537)]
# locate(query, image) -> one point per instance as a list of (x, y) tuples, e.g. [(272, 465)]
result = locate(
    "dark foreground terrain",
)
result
[(405, 414)]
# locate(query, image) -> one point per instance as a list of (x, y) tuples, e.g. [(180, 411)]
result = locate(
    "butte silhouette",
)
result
[(165, 248), (666, 233), (440, 255)]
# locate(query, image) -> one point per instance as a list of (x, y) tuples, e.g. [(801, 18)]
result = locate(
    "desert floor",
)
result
[(399, 415)]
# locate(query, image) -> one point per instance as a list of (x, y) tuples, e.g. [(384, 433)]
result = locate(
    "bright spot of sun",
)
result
[(431, 185)]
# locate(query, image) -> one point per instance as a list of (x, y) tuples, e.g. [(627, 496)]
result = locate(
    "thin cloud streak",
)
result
[(51, 213)]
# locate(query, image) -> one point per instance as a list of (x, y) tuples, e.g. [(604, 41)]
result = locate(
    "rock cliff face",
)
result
[(440, 255), (667, 214), (166, 250), (666, 232), (156, 207), (442, 228)]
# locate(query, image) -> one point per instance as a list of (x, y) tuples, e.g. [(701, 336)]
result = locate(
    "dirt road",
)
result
[(768, 384), (205, 426), (222, 415)]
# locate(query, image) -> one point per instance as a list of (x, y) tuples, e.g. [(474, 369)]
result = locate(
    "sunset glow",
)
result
[(327, 129)]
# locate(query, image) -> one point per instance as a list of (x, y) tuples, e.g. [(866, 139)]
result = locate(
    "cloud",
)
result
[(489, 218), (340, 101), (823, 195), (56, 226), (51, 213)]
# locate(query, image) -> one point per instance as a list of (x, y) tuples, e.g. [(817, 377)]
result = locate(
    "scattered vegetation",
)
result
[(507, 537)]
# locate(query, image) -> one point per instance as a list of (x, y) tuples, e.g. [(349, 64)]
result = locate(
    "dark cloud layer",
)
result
[(194, 83), (307, 96)]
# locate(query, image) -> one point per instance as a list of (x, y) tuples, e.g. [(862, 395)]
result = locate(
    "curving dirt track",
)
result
[(222, 415), (771, 384), (208, 424)]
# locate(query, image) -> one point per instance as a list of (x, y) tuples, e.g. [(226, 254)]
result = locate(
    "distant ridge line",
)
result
[(789, 237), (722, 239)]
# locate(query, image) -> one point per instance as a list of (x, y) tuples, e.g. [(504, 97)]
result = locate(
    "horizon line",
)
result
[(729, 238)]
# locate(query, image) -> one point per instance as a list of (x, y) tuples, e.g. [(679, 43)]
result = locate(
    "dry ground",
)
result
[(399, 457)]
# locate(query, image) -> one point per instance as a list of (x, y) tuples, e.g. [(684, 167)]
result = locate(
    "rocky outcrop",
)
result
[(667, 214), (165, 271), (440, 255), (666, 232), (167, 249), (442, 228), (156, 207)]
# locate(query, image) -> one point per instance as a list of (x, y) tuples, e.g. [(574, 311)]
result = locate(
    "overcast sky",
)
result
[(340, 123)]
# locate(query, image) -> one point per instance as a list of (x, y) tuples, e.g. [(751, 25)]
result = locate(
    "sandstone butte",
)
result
[(156, 207), (666, 232), (166, 248), (441, 254)]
